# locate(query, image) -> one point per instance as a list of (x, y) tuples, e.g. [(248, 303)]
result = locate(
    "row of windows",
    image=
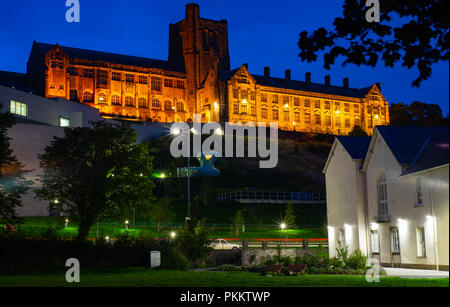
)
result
[(21, 109), (102, 77), (307, 102), (395, 241)]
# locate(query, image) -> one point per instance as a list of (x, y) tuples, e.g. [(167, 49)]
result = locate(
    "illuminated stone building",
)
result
[(196, 79)]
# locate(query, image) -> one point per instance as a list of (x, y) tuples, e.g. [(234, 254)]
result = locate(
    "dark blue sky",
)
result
[(261, 33)]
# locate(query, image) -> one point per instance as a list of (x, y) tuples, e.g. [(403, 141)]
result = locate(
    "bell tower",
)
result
[(197, 43)]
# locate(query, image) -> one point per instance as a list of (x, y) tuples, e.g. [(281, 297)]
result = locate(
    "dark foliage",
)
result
[(414, 32)]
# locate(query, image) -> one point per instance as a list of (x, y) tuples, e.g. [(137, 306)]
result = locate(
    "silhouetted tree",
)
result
[(416, 114), (12, 182), (96, 171), (357, 131), (419, 38)]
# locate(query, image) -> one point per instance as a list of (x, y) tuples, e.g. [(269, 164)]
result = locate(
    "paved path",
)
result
[(414, 273)]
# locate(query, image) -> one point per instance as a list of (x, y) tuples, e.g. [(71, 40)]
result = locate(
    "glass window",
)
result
[(180, 84), (307, 118), (275, 114), (421, 248), (142, 79), (19, 108), (156, 83), (115, 99), (286, 115), (275, 98), (419, 200), (317, 104), (116, 76), (64, 121), (101, 98), (297, 116), (155, 103), (263, 97), (317, 119), (307, 103), (129, 101), (88, 97), (264, 113), (382, 198), (180, 106), (395, 243), (73, 71), (129, 78), (167, 105), (142, 101), (88, 73), (296, 102), (168, 83), (374, 241), (102, 77)]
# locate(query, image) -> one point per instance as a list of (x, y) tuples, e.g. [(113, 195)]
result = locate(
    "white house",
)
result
[(388, 196)]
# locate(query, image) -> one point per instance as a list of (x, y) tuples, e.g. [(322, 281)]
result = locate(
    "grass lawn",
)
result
[(35, 226), (136, 277)]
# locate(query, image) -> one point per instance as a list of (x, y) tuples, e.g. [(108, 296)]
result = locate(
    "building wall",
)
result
[(403, 213), (48, 111), (344, 201), (303, 111), (154, 93)]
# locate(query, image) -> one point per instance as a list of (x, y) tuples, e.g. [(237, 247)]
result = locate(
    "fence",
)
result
[(273, 197)]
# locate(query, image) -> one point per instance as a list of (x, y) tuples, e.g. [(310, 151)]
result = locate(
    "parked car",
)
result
[(223, 244)]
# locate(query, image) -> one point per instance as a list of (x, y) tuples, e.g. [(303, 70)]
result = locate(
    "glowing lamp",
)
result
[(175, 131), (173, 234), (244, 101), (286, 106), (337, 111), (283, 226)]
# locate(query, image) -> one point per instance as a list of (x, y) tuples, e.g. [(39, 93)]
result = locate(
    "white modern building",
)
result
[(38, 120), (388, 196)]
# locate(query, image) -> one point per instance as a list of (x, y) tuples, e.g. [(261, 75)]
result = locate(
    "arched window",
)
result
[(382, 198), (156, 104), (142, 102), (115, 99), (180, 106), (73, 95), (101, 98), (129, 101), (167, 105), (88, 97)]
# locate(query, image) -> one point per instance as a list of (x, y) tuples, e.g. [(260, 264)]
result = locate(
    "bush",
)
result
[(229, 268), (356, 260)]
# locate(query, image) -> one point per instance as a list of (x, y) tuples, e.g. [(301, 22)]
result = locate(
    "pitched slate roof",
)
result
[(407, 142), (110, 57), (356, 146), (301, 85), (433, 153)]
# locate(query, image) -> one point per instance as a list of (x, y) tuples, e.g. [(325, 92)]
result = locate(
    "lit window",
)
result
[(421, 248), (307, 103), (382, 198), (64, 121), (307, 118), (115, 99), (263, 97), (167, 105), (395, 243), (19, 108), (129, 101), (101, 98), (264, 113), (297, 117), (180, 106), (286, 115), (317, 119), (142, 102), (155, 104), (275, 114), (317, 104), (275, 98), (296, 102), (375, 242), (156, 83), (419, 200)]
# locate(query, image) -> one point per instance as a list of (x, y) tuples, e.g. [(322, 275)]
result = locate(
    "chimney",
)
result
[(287, 74), (379, 85), (192, 9), (308, 78), (327, 80), (345, 81), (246, 65), (267, 72)]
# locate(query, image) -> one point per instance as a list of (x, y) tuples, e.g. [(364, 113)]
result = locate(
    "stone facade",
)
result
[(197, 79)]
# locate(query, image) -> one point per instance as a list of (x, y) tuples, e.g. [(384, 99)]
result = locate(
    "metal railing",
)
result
[(313, 197)]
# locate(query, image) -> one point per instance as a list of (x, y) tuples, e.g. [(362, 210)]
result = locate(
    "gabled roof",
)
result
[(405, 142), (434, 153), (301, 85), (110, 57), (356, 146)]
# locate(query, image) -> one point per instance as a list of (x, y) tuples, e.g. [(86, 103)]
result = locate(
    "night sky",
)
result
[(261, 33)]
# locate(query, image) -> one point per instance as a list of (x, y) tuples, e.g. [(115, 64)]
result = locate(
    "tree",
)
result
[(238, 220), (289, 215), (96, 171), (357, 131), (12, 182), (399, 115), (162, 212), (420, 37), (416, 114)]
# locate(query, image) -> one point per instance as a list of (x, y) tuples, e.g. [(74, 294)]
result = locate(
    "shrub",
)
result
[(229, 268), (321, 271), (357, 260)]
